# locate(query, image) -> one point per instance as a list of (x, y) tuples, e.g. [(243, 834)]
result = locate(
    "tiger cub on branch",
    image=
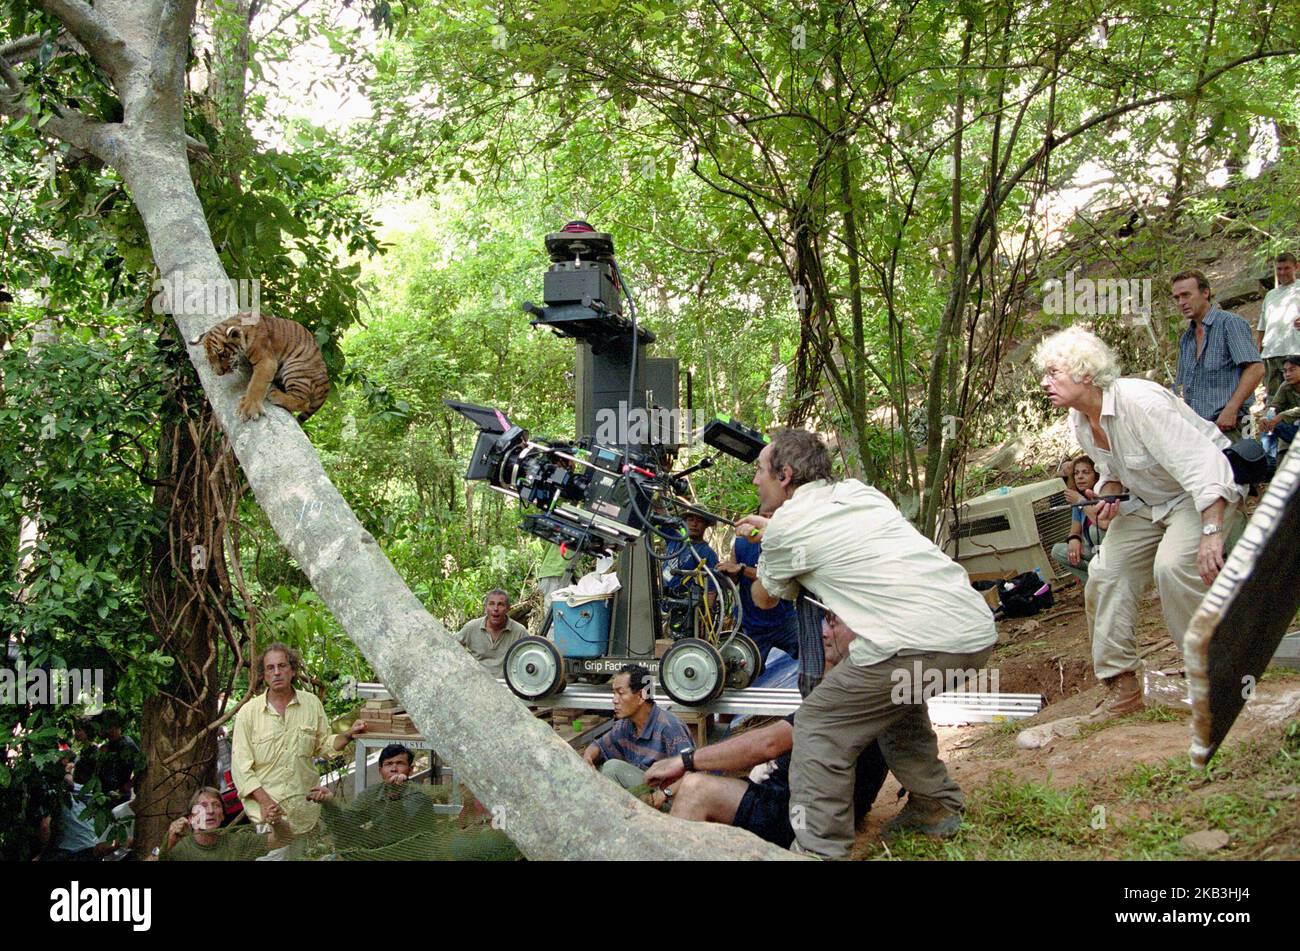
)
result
[(287, 365)]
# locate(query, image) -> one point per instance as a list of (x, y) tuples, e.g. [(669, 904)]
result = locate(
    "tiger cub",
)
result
[(287, 365)]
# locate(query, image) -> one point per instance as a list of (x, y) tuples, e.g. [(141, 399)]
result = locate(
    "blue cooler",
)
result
[(581, 624)]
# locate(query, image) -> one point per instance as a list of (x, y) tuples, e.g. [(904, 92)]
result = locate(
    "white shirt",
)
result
[(853, 551), (1277, 320), (1160, 450)]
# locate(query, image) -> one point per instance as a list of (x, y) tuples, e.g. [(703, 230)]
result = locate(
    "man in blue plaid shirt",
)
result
[(1219, 364), (643, 735)]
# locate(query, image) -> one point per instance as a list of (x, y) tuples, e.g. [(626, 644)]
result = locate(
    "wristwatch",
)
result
[(688, 759), (1211, 529)]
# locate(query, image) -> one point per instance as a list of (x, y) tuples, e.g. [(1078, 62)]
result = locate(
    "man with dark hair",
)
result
[(397, 820), (688, 554), (198, 837), (762, 805), (916, 619), (277, 734), (1219, 365), (1278, 333), (118, 759), (490, 636), (1284, 406), (643, 735)]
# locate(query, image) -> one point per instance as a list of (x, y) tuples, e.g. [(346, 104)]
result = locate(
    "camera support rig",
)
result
[(605, 497)]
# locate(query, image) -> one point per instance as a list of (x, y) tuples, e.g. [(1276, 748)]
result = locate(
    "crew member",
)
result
[(277, 734), (397, 819), (761, 806), (1219, 365), (490, 636), (198, 837), (643, 735), (1278, 332), (777, 627), (915, 616), (1153, 446)]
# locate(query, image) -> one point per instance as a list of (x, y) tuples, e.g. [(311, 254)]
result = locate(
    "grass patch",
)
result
[(1141, 814)]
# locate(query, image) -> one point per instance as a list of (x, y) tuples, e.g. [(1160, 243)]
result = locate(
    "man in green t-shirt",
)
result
[(555, 572), (396, 821), (199, 837)]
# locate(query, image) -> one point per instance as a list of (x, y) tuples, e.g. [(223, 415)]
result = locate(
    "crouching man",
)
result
[(914, 614), (761, 807), (1170, 532), (399, 820)]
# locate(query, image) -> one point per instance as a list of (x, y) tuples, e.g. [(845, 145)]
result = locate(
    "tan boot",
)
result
[(1123, 695)]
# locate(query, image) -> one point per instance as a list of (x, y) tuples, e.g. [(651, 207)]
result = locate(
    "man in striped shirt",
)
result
[(643, 735), (1219, 364)]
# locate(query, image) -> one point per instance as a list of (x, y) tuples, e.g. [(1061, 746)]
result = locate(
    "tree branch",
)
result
[(22, 49), (96, 34), (172, 46), (89, 135)]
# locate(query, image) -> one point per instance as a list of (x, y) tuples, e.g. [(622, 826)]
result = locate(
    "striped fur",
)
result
[(286, 363)]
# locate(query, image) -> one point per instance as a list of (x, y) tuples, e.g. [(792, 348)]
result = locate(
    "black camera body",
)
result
[(590, 498)]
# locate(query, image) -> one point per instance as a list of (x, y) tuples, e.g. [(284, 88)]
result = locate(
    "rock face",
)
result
[(1239, 292)]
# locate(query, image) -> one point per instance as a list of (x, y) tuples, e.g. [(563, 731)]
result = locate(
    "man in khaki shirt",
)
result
[(489, 637), (277, 735)]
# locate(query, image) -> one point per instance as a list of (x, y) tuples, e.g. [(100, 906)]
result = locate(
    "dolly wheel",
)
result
[(534, 668), (743, 660), (692, 672)]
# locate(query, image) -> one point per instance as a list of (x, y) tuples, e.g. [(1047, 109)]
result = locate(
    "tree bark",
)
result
[(550, 802)]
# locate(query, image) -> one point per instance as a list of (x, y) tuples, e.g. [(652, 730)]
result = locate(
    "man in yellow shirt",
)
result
[(277, 735)]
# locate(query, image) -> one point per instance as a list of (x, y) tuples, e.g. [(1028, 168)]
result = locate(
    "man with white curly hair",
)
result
[(1151, 444)]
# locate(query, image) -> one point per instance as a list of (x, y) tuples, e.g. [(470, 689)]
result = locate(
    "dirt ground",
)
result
[(1049, 655)]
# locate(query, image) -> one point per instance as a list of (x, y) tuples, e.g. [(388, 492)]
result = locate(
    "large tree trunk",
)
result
[(543, 796), (187, 593), (187, 587)]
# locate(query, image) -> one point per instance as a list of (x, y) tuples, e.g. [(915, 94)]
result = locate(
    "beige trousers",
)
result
[(849, 709), (1136, 552)]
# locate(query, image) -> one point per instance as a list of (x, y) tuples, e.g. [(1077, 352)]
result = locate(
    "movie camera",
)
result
[(615, 498)]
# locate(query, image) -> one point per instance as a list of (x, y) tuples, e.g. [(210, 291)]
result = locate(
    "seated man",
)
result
[(643, 735), (490, 636), (1282, 422), (762, 807), (199, 837), (396, 820)]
